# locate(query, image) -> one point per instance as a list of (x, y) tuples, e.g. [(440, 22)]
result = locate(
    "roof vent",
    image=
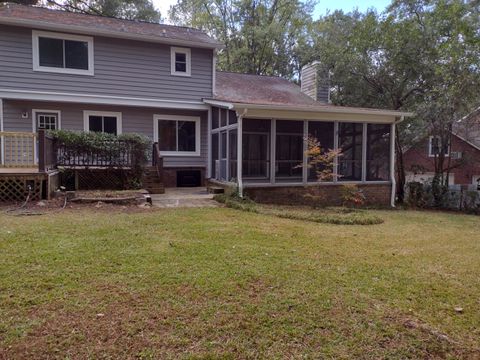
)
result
[(315, 82)]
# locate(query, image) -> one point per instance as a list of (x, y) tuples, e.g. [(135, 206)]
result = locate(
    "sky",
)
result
[(320, 9)]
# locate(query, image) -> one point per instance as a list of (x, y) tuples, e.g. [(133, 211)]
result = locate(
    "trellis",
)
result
[(14, 187)]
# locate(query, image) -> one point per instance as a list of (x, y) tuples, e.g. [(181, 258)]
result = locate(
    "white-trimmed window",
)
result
[(62, 53), (435, 146), (102, 121), (177, 135), (181, 61), (45, 119)]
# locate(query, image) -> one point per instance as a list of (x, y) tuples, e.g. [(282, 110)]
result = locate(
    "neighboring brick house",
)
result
[(464, 156)]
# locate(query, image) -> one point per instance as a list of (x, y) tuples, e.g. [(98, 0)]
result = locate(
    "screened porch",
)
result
[(273, 151)]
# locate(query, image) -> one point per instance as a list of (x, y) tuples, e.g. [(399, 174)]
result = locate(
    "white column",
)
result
[(305, 157), (273, 140), (392, 165), (335, 147), (364, 153), (209, 144), (2, 140), (239, 154)]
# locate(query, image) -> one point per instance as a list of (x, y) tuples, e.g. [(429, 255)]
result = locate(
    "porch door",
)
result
[(223, 156), (44, 121)]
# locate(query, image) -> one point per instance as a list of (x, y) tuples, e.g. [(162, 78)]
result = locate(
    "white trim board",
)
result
[(101, 99), (36, 35), (196, 119), (88, 113), (34, 117)]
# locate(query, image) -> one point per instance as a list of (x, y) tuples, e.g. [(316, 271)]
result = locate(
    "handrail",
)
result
[(18, 149), (157, 160)]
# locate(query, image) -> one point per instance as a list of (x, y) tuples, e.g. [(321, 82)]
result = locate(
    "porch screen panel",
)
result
[(378, 152), (350, 142), (256, 149), (289, 150), (323, 132)]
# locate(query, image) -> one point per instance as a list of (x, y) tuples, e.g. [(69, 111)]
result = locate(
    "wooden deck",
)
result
[(19, 170)]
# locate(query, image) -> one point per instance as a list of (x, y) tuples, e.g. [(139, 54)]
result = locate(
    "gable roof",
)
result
[(274, 92), (59, 20)]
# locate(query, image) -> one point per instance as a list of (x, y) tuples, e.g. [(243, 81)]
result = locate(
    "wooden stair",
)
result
[(151, 181)]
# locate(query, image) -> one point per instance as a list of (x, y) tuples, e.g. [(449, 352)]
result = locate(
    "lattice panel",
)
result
[(16, 188), (102, 179)]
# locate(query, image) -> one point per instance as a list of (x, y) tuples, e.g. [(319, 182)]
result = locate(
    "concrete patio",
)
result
[(184, 197)]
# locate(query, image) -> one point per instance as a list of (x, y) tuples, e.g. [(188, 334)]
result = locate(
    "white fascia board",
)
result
[(327, 109), (100, 99), (107, 33)]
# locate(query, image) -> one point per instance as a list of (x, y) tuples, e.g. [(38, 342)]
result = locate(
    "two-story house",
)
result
[(61, 70)]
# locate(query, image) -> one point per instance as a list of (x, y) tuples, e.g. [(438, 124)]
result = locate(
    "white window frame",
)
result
[(54, 35), (430, 154), (188, 58), (42, 111), (196, 119), (88, 113)]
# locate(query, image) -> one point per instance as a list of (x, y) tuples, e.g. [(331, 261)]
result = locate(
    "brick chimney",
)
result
[(315, 82)]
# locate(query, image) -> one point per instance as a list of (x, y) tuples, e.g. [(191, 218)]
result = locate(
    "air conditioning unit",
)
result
[(456, 155)]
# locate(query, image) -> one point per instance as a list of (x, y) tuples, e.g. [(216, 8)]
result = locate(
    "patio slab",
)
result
[(184, 197)]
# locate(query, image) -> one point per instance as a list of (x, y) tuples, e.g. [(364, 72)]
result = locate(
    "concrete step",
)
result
[(216, 190)]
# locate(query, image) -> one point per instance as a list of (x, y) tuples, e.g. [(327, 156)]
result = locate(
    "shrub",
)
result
[(352, 195)]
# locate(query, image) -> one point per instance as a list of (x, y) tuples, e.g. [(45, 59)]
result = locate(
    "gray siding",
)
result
[(138, 120), (315, 82), (122, 68)]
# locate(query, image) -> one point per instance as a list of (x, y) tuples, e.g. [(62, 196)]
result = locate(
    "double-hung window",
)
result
[(177, 135), (181, 63), (435, 146), (62, 53), (101, 121)]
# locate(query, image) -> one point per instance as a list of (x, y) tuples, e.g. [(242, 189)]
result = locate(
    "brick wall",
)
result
[(416, 160), (376, 194)]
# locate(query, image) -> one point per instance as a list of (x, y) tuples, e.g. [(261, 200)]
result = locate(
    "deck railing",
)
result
[(18, 149)]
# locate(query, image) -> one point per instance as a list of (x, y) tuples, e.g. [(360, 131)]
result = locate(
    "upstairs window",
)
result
[(62, 53), (180, 61), (435, 146)]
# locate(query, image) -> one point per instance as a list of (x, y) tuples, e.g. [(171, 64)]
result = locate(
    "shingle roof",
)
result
[(259, 89), (91, 24), (276, 92)]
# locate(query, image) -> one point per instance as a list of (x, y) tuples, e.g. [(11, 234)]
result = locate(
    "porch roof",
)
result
[(275, 97)]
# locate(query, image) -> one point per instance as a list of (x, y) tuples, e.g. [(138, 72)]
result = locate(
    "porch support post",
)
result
[(273, 139), (239, 152), (364, 153), (209, 144), (392, 165), (2, 139), (305, 157)]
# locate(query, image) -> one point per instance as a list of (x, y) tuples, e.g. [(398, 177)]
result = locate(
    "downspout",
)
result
[(392, 162), (239, 151)]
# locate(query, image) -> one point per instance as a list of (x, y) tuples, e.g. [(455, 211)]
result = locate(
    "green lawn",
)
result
[(221, 283)]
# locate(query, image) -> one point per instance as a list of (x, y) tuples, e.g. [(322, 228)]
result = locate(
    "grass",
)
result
[(227, 284), (329, 215)]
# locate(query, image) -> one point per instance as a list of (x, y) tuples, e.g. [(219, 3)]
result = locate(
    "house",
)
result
[(71, 71), (462, 160)]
